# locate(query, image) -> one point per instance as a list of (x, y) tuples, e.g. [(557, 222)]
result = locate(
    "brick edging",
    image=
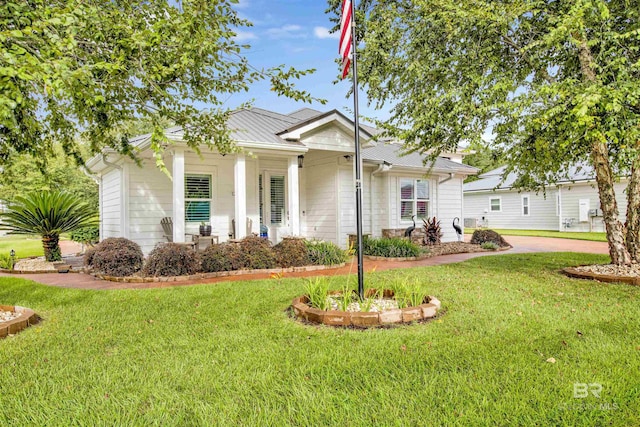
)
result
[(198, 276), (607, 278), (27, 318), (302, 310)]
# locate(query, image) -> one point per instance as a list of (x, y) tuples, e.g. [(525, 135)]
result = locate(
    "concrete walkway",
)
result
[(521, 244)]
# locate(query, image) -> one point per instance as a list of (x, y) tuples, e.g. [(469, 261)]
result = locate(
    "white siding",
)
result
[(150, 200), (449, 206), (111, 204), (347, 203), (542, 211), (571, 196), (379, 185), (320, 207)]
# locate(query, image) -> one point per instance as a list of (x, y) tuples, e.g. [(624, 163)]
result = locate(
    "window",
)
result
[(277, 199), (525, 205), (197, 195), (414, 198), (495, 204)]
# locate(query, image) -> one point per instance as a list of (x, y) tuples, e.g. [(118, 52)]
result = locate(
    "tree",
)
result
[(48, 214), (558, 82), (21, 176), (483, 158), (70, 67)]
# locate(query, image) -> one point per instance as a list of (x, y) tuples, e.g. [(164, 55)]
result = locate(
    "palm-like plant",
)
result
[(48, 214)]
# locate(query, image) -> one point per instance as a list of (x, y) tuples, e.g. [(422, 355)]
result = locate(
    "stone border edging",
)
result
[(136, 279), (607, 278), (302, 310), (27, 318)]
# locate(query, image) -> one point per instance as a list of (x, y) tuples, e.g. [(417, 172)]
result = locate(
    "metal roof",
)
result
[(392, 153), (492, 180)]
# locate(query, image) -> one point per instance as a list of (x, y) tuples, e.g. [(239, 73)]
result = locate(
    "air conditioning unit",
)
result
[(471, 223)]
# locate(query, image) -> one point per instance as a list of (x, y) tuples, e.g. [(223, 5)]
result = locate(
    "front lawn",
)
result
[(595, 237), (25, 246), (228, 354)]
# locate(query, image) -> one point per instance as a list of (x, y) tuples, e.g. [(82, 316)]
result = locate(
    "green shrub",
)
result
[(291, 252), (325, 253), (489, 245), (6, 261), (117, 256), (391, 247), (86, 235), (171, 259), (257, 253), (317, 289), (222, 257), (481, 236)]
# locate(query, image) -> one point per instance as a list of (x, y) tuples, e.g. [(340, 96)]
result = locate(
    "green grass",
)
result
[(228, 354), (24, 246), (595, 237)]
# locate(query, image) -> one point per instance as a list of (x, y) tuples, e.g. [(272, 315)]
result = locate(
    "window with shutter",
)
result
[(277, 193), (197, 195), (414, 198)]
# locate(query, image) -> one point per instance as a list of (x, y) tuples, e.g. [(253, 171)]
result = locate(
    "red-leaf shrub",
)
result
[(171, 259), (256, 253), (222, 257), (482, 236), (116, 256), (291, 252)]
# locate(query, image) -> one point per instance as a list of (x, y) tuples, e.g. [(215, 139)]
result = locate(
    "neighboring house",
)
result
[(570, 205), (295, 176)]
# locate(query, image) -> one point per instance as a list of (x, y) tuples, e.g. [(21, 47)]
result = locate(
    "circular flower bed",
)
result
[(606, 273), (382, 311)]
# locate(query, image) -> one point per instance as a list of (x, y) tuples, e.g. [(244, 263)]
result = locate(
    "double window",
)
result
[(414, 198), (197, 195)]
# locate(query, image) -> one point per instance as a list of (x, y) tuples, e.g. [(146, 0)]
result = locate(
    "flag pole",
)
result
[(359, 239)]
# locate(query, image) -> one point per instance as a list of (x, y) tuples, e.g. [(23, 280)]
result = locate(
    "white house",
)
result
[(570, 205), (295, 175)]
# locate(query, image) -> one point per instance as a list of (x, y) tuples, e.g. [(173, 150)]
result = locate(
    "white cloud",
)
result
[(244, 35), (323, 33), (286, 31)]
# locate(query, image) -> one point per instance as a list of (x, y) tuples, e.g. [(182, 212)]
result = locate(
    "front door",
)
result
[(273, 203)]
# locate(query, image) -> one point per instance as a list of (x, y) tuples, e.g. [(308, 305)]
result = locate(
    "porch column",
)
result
[(178, 196), (294, 196), (240, 189)]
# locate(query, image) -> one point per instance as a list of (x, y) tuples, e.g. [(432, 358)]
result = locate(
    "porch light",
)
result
[(300, 161), (348, 157)]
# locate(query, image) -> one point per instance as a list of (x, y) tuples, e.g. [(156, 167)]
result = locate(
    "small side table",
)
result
[(198, 239)]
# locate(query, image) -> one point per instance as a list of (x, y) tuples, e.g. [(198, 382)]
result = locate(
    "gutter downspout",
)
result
[(382, 168)]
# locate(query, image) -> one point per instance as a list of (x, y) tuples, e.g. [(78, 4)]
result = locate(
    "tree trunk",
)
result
[(604, 176), (50, 244), (633, 211), (615, 231)]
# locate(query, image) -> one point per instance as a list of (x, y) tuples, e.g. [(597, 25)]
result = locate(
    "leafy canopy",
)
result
[(454, 70), (72, 66)]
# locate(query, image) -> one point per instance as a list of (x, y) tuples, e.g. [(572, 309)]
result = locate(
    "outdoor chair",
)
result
[(232, 232), (167, 229)]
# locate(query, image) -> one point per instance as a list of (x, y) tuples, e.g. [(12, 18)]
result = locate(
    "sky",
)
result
[(295, 33)]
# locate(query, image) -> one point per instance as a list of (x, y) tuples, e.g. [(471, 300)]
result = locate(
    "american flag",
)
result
[(345, 37)]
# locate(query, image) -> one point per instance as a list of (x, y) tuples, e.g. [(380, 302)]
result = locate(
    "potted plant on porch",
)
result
[(205, 230)]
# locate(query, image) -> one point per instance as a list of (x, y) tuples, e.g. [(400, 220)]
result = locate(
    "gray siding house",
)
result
[(570, 205)]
